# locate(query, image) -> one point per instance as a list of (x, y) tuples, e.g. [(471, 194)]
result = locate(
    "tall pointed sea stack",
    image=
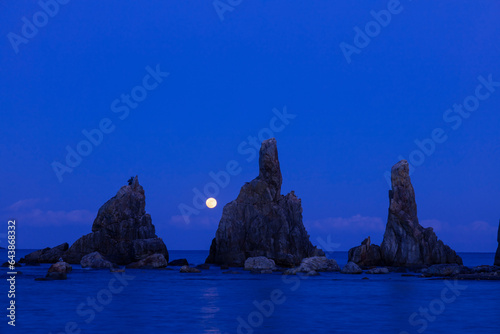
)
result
[(497, 256), (122, 231), (406, 242), (261, 221)]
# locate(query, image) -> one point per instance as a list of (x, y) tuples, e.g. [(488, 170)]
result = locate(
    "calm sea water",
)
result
[(165, 301)]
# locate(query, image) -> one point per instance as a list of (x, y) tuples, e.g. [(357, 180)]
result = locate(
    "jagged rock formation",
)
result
[(366, 255), (406, 242), (46, 255), (262, 222), (122, 231), (497, 256)]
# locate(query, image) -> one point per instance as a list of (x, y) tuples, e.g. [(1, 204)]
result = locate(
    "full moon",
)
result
[(211, 203)]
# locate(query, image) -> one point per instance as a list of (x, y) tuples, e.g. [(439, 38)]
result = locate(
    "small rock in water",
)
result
[(154, 261), (445, 270), (203, 266), (351, 268), (188, 269), (378, 271), (7, 264), (96, 261), (259, 263), (58, 271), (366, 255), (318, 263), (179, 262)]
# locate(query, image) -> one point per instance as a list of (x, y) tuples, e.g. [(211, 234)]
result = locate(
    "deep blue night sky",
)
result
[(353, 120)]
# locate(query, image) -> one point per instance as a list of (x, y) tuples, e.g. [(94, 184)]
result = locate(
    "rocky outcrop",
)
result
[(318, 263), (259, 263), (351, 268), (179, 262), (96, 261), (46, 255), (122, 231), (378, 271), (445, 270), (262, 222), (58, 271), (189, 270), (312, 265), (154, 261), (497, 256), (406, 242), (366, 255)]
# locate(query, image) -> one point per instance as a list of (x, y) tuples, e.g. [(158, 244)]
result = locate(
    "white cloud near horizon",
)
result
[(27, 212)]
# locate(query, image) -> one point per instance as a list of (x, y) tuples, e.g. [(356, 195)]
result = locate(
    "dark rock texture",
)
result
[(366, 255), (262, 222), (189, 270), (313, 265), (351, 268), (259, 263), (46, 255), (58, 271), (497, 256), (406, 242), (445, 270), (154, 261), (96, 261), (179, 262), (122, 231)]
